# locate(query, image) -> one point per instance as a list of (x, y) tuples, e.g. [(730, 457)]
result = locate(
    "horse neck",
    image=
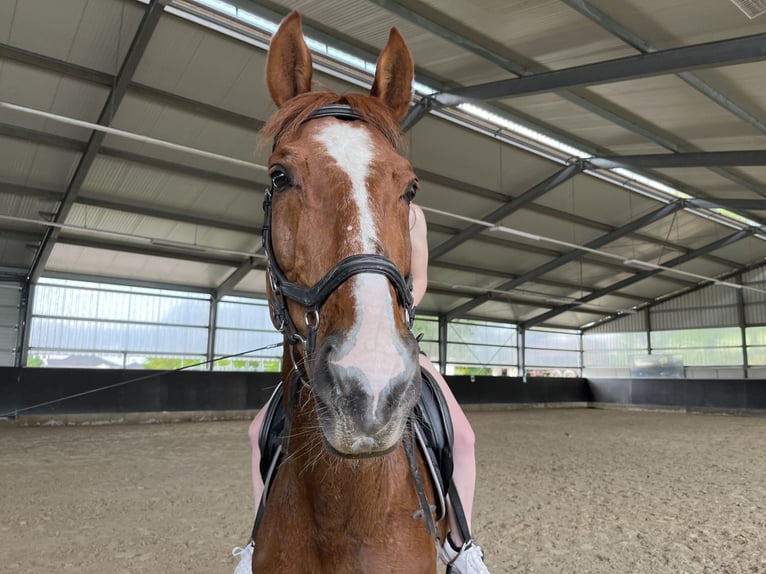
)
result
[(346, 490)]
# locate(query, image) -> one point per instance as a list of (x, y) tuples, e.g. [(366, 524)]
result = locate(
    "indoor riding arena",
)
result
[(593, 177)]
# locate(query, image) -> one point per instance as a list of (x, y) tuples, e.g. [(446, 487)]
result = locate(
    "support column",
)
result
[(22, 329), (742, 320), (443, 323), (211, 331), (521, 359)]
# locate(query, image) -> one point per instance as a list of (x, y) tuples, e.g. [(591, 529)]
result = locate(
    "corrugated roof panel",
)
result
[(7, 10), (615, 302), (668, 24), (105, 33), (476, 159), (30, 87), (205, 77), (148, 118), (587, 273), (548, 226), (743, 82), (505, 311), (669, 102), (117, 264), (49, 92), (169, 53), (705, 267), (495, 257), (651, 287), (453, 201), (756, 173), (745, 251), (152, 227), (102, 219), (27, 206), (52, 168), (185, 59), (35, 165), (703, 183), (370, 25), (585, 196), (148, 185), (436, 303), (563, 116), (46, 27), (687, 229), (448, 278), (87, 33), (545, 31), (17, 157)]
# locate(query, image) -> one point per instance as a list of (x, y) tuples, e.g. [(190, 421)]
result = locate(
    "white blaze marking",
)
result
[(372, 346)]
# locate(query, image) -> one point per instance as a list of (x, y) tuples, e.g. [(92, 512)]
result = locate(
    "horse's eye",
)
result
[(279, 178), (411, 191)]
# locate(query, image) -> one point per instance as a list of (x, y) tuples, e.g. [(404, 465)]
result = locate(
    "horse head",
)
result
[(337, 237)]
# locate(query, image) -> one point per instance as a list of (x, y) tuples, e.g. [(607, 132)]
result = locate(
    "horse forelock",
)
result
[(296, 111)]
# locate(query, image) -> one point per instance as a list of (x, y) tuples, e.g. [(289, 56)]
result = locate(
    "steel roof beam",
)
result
[(516, 203), (680, 160), (137, 48), (719, 244), (671, 61), (647, 219), (752, 204)]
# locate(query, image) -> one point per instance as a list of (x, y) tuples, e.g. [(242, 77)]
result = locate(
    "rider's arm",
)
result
[(419, 261)]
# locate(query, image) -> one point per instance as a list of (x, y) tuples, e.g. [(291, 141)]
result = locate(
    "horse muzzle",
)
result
[(365, 397)]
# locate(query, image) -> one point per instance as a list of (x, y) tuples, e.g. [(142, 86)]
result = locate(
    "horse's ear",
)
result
[(393, 75), (288, 66)]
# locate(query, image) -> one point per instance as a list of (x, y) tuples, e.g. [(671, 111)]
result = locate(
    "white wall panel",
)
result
[(10, 295)]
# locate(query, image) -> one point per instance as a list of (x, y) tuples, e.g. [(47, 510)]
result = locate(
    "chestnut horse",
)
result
[(349, 495)]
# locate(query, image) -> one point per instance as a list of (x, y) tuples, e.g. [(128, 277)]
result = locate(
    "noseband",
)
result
[(312, 298)]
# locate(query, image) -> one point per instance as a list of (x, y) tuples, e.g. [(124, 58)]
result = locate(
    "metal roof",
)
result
[(521, 229)]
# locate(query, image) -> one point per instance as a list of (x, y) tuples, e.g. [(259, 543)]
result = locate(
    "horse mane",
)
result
[(297, 110)]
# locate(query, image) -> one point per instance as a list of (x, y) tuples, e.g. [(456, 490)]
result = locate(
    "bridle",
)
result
[(313, 297)]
